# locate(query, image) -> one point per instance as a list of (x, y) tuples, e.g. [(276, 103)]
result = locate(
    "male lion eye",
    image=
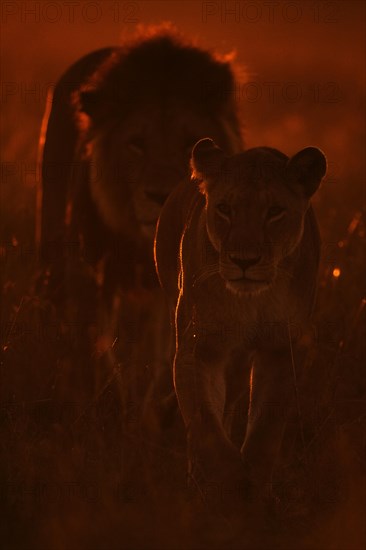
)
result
[(275, 213), (223, 208)]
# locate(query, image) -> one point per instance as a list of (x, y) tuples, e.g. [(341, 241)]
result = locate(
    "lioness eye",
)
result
[(136, 145), (275, 213), (223, 208)]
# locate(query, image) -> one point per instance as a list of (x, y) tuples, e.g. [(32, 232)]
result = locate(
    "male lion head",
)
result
[(146, 107), (256, 203)]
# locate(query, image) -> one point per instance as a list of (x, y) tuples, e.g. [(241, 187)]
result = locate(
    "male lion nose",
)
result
[(244, 263), (159, 198)]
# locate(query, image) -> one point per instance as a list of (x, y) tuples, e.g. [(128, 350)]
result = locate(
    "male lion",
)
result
[(238, 256), (118, 140)]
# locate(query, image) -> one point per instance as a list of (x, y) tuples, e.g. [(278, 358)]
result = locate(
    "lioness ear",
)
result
[(306, 169), (207, 159)]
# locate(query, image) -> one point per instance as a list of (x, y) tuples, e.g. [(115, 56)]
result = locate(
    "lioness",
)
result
[(238, 256)]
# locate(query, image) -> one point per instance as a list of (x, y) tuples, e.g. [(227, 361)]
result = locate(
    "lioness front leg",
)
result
[(272, 397), (199, 378)]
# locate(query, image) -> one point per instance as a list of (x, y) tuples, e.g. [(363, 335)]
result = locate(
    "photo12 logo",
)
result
[(70, 12), (279, 92), (269, 11)]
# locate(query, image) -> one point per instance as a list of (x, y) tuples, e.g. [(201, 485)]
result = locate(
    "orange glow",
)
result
[(336, 272), (354, 223)]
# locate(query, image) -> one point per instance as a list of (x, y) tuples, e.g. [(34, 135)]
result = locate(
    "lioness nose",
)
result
[(244, 263), (159, 198)]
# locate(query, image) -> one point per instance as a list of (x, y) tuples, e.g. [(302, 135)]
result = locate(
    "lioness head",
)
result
[(256, 202), (144, 114)]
